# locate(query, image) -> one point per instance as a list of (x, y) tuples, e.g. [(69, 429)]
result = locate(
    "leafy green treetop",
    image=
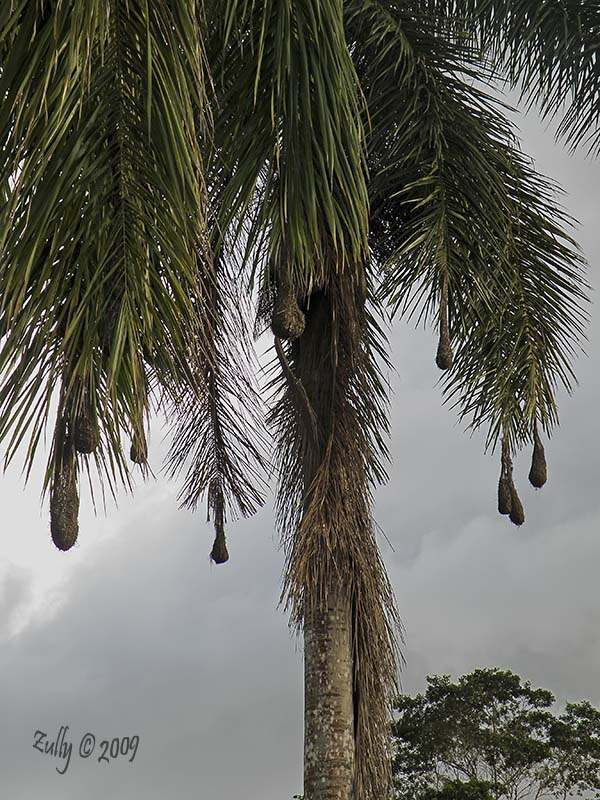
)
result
[(490, 736)]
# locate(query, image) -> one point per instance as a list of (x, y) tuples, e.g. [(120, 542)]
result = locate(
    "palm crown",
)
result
[(159, 161)]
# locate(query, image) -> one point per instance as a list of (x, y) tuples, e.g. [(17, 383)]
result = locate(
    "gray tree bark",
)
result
[(328, 702)]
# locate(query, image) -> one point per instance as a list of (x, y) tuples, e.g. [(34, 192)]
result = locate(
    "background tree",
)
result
[(160, 161), (492, 736)]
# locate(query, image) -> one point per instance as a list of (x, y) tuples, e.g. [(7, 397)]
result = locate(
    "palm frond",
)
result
[(470, 236), (288, 96), (516, 350), (102, 224), (217, 436), (550, 50)]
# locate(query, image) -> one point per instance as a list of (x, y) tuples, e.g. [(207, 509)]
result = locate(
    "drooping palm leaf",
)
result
[(469, 232), (102, 227), (550, 50), (217, 435), (288, 96)]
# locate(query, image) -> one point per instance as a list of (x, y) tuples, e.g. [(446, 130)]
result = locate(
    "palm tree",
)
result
[(160, 162)]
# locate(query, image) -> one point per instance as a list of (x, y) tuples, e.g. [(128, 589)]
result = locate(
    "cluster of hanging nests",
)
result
[(82, 437), (287, 323), (509, 502)]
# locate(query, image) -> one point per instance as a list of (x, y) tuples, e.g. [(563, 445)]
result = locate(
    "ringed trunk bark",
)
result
[(328, 702)]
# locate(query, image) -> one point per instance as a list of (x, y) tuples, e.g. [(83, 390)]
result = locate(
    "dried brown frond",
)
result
[(324, 501)]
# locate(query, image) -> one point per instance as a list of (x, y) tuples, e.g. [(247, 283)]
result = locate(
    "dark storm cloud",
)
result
[(149, 639)]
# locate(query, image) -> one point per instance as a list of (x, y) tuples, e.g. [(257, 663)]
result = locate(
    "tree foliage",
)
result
[(492, 736)]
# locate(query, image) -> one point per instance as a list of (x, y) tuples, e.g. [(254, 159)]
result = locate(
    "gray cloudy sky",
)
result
[(135, 632)]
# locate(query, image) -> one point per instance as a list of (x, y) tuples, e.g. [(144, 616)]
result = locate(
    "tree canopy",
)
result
[(490, 736)]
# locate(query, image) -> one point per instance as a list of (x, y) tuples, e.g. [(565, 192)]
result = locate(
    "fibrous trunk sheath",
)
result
[(328, 701), (329, 423)]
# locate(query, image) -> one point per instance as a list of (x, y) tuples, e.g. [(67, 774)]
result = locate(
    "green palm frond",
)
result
[(516, 350), (470, 236), (550, 50), (102, 228), (288, 96)]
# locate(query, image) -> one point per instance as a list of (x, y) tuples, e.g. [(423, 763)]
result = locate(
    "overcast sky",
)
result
[(134, 632)]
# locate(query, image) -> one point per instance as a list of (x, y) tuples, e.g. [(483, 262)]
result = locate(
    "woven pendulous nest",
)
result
[(504, 495), (444, 357), (517, 512), (64, 510), (538, 474), (139, 449), (288, 321), (219, 553), (509, 502), (86, 437)]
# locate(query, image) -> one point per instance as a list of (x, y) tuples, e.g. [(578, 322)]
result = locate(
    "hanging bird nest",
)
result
[(504, 495), (64, 509), (139, 448), (86, 436), (509, 502), (288, 321), (538, 474), (444, 357), (517, 512), (219, 553)]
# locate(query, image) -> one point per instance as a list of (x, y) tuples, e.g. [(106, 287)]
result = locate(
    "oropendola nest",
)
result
[(288, 321), (64, 509), (504, 495), (139, 449), (444, 357), (509, 502), (86, 437), (219, 552), (538, 474), (517, 512)]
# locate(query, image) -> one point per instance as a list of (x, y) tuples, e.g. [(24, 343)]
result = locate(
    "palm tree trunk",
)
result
[(329, 750), (335, 582)]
